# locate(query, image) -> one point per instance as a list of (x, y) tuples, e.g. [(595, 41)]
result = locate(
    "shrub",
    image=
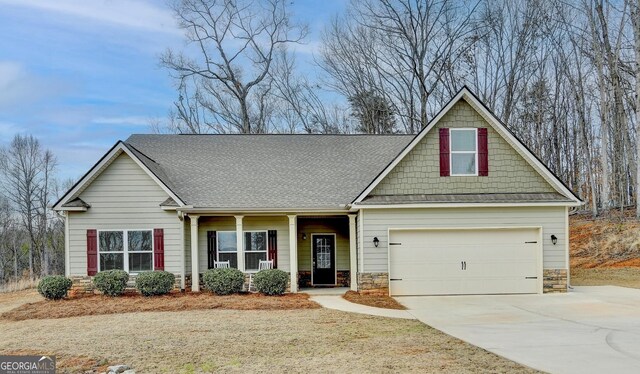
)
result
[(224, 281), (271, 281), (111, 282), (152, 283), (54, 287)]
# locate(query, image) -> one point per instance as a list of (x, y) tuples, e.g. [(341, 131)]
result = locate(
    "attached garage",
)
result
[(462, 261)]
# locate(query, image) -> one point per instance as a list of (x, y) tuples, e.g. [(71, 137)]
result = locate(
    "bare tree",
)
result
[(402, 50), (224, 80), (26, 178)]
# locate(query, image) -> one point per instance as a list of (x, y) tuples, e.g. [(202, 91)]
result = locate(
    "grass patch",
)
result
[(624, 277), (375, 300), (240, 341), (66, 363), (174, 302)]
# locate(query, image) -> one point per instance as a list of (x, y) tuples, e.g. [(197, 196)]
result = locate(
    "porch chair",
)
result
[(221, 264), (262, 265)]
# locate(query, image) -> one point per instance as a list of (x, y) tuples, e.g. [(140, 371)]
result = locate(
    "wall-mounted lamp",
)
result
[(304, 236), (376, 241), (554, 239)]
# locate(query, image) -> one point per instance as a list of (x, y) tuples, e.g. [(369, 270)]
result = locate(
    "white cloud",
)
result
[(125, 13), (125, 121), (19, 87)]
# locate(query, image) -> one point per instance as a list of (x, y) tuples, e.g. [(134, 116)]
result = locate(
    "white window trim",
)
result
[(266, 249), (244, 251), (125, 248), (451, 151)]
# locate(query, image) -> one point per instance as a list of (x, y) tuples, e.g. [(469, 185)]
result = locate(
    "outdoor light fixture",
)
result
[(554, 239), (304, 236), (376, 241)]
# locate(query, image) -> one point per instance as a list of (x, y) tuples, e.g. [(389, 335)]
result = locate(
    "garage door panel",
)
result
[(463, 261)]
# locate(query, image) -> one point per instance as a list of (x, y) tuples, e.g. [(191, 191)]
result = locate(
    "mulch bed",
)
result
[(174, 302), (375, 300)]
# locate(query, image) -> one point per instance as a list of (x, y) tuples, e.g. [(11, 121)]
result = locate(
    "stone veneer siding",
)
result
[(554, 280), (373, 282), (84, 284), (419, 171)]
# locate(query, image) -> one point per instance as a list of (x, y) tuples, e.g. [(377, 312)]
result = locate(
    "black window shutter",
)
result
[(273, 248), (211, 249)]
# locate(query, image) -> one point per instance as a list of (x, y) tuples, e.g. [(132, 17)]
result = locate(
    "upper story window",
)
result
[(129, 250), (464, 151)]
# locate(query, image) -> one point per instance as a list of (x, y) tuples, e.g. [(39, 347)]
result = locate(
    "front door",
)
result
[(324, 260)]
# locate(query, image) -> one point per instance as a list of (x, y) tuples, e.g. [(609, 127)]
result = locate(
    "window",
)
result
[(140, 251), (126, 250), (227, 248), (464, 151), (255, 249)]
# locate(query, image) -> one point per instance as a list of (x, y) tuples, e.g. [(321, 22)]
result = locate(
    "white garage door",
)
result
[(463, 261)]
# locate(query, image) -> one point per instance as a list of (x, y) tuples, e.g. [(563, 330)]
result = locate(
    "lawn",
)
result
[(624, 277), (217, 340)]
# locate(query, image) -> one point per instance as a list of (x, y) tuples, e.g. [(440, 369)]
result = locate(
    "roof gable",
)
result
[(103, 164), (513, 167)]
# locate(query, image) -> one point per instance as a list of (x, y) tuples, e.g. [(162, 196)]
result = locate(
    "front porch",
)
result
[(316, 250)]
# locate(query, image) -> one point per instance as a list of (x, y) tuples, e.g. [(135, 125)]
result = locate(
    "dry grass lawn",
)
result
[(174, 302), (605, 251), (198, 341), (624, 277), (378, 301)]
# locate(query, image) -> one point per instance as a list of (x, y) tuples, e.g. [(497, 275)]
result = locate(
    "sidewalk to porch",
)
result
[(325, 291), (339, 303)]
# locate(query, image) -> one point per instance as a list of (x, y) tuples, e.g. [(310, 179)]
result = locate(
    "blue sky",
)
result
[(82, 74)]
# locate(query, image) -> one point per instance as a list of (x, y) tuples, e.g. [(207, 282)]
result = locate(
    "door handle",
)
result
[(463, 265)]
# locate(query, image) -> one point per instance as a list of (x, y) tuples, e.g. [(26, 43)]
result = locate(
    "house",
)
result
[(463, 207)]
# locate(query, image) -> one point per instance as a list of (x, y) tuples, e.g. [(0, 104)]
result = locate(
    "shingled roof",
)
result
[(267, 171)]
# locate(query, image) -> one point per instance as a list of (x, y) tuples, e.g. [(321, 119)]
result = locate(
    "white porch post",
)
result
[(67, 258), (353, 268), (195, 268), (293, 252), (240, 242), (183, 258)]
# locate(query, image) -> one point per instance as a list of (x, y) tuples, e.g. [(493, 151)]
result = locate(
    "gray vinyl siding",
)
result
[(324, 225), (123, 197), (279, 223), (376, 222), (187, 245)]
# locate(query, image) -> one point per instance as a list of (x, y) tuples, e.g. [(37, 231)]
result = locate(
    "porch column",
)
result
[(353, 260), (67, 258), (195, 268), (240, 242), (293, 252)]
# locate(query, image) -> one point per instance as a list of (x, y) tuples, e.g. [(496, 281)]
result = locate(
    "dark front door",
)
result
[(324, 260)]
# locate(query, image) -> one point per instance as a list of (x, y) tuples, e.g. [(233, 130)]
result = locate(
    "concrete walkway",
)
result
[(338, 303), (589, 330)]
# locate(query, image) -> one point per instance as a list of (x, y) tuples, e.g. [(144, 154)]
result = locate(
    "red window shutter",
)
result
[(211, 249), (92, 252), (444, 152), (483, 153), (158, 249), (272, 253)]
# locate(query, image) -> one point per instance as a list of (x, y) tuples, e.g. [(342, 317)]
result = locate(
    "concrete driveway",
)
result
[(589, 330)]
